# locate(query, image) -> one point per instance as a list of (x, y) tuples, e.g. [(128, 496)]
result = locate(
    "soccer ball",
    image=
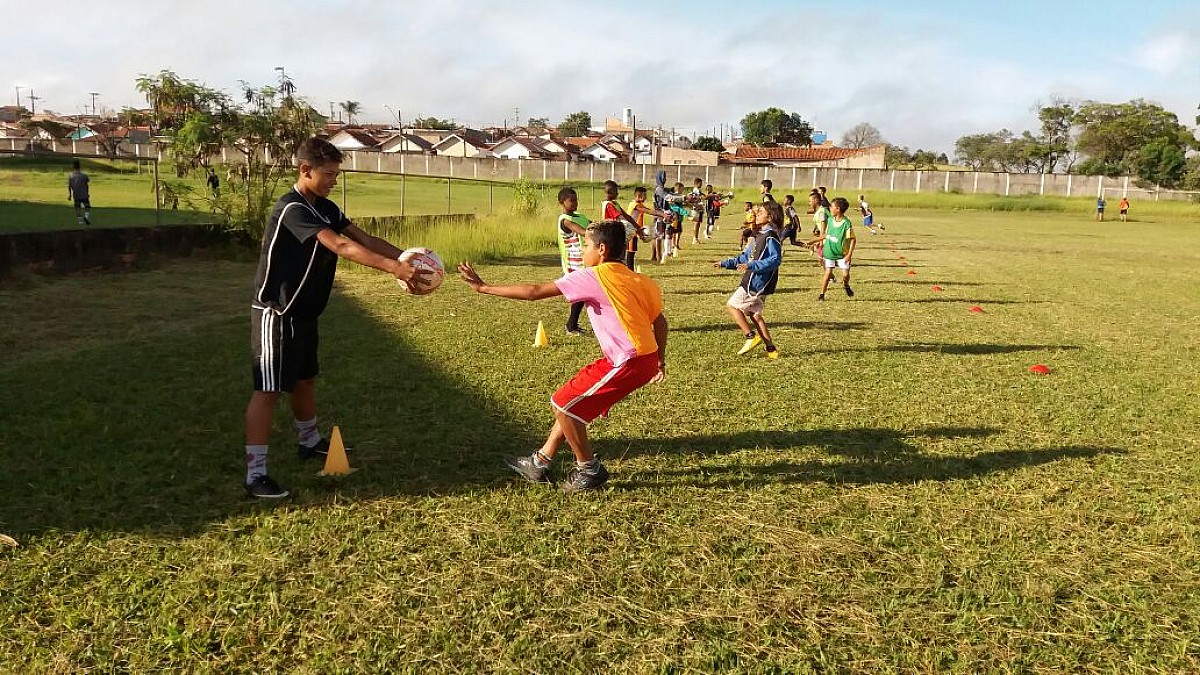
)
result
[(426, 260)]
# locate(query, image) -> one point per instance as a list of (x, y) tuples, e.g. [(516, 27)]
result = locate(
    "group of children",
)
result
[(307, 233)]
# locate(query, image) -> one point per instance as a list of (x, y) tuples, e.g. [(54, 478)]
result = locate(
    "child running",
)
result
[(638, 211), (837, 246), (759, 263), (625, 309), (868, 215), (571, 228)]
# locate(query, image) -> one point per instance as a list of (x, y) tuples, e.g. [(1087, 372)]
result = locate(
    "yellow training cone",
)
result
[(336, 463), (540, 339)]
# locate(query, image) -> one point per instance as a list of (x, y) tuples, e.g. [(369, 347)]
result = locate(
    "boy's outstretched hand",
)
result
[(469, 275)]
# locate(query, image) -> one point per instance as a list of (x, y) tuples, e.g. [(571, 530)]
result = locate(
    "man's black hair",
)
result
[(566, 192), (767, 184), (317, 151)]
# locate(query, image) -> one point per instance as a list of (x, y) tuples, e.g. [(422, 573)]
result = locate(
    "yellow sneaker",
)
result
[(750, 344), (772, 353)]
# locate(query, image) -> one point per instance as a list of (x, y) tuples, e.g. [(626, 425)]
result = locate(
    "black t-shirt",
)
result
[(295, 272)]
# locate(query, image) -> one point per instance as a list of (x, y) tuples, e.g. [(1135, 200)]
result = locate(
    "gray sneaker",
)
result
[(525, 467), (582, 480)]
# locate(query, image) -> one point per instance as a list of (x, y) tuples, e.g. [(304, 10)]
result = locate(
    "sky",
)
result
[(923, 72)]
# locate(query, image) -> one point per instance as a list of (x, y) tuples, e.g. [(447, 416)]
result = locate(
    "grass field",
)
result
[(896, 494), (34, 197)]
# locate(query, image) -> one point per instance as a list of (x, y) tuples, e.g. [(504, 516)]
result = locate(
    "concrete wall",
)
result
[(724, 176)]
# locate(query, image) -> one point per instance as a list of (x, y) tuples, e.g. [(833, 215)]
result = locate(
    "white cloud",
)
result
[(922, 85)]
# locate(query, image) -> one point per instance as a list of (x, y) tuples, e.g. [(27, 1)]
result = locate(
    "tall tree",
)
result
[(576, 124), (351, 108), (1057, 121), (1161, 162), (1113, 134), (861, 135), (774, 125), (538, 124), (709, 143), (198, 122)]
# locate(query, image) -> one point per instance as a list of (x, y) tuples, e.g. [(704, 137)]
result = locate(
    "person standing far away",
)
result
[(1100, 204), (1123, 207), (214, 183), (78, 192)]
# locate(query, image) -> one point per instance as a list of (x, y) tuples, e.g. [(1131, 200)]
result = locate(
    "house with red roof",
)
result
[(871, 157)]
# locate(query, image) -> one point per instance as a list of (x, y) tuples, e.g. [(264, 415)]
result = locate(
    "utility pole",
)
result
[(94, 94)]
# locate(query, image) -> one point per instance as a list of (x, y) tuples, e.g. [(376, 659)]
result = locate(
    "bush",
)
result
[(526, 198)]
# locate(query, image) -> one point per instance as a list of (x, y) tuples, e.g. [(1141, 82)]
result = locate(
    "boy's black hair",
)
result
[(821, 189), (639, 190), (789, 198), (318, 151), (611, 233), (749, 203), (698, 181), (709, 187), (774, 212), (75, 164), (767, 184), (566, 192), (841, 203), (611, 184)]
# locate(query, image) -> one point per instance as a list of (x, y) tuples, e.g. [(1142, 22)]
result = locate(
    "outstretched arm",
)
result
[(660, 336), (371, 242), (547, 289), (352, 250)]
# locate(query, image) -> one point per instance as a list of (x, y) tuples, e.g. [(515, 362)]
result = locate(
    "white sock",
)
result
[(540, 460), (256, 462), (306, 431)]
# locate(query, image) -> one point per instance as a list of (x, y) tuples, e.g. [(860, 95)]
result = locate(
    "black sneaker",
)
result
[(525, 467), (821, 297), (264, 487), (581, 480), (576, 332), (319, 450), (849, 291)]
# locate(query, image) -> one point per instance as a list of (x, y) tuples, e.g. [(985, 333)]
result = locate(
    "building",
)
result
[(354, 139), (462, 143), (871, 157), (405, 143)]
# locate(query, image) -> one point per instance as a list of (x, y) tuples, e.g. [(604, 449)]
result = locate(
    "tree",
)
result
[(576, 124), (1057, 122), (895, 156), (431, 122), (1161, 162), (861, 135), (924, 159), (538, 123), (773, 125), (198, 122), (351, 108), (1113, 134), (709, 143)]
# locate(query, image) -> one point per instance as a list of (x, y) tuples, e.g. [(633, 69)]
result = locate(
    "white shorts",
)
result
[(840, 264), (746, 303)]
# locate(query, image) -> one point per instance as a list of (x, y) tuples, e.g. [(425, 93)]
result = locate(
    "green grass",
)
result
[(34, 197), (895, 494)]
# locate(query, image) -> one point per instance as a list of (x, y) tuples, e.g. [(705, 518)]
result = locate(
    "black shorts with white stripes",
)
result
[(285, 350)]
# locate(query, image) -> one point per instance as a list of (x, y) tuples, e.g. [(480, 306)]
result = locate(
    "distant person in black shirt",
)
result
[(78, 192), (214, 183), (305, 235)]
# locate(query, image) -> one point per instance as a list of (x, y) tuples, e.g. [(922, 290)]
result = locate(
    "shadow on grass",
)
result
[(22, 216), (980, 349), (773, 325), (924, 282), (146, 434), (700, 291), (904, 470)]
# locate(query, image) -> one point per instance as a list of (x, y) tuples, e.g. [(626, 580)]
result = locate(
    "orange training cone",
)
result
[(336, 463), (911, 272), (1039, 369), (935, 288), (540, 339)]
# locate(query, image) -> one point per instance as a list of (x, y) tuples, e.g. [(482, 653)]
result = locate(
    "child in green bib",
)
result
[(837, 240)]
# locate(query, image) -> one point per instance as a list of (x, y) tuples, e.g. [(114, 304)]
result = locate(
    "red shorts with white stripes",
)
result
[(599, 385)]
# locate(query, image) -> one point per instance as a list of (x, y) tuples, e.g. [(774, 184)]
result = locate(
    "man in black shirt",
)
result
[(305, 235)]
